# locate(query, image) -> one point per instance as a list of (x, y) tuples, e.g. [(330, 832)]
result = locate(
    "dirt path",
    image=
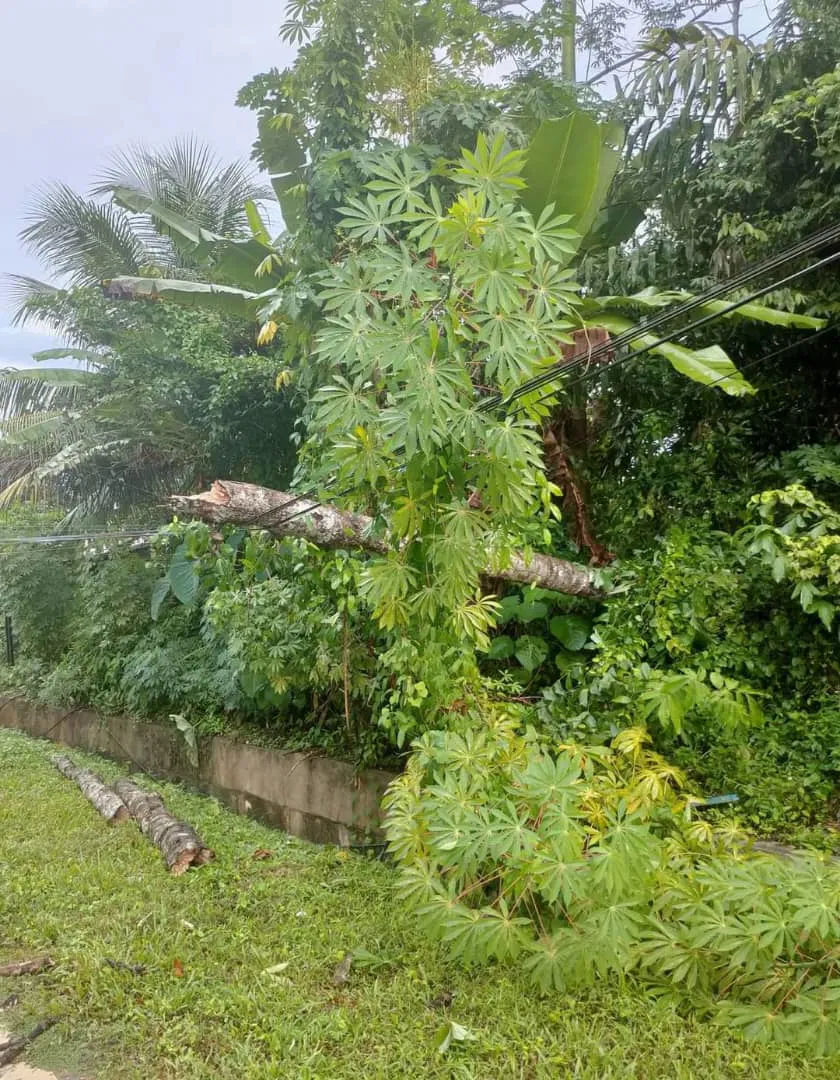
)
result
[(25, 1072), (20, 1071)]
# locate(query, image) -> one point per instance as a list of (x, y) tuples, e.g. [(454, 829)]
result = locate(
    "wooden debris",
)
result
[(230, 502), (178, 841), (13, 1047), (109, 805), (27, 967)]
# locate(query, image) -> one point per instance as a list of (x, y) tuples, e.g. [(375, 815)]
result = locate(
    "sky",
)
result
[(82, 78)]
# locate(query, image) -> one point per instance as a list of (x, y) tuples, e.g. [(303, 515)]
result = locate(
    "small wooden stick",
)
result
[(27, 967), (109, 805), (178, 841)]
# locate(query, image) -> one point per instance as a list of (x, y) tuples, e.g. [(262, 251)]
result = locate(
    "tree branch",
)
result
[(229, 502)]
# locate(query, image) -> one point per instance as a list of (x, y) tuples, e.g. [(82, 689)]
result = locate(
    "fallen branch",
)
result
[(229, 502), (27, 967), (109, 804), (178, 841), (13, 1047)]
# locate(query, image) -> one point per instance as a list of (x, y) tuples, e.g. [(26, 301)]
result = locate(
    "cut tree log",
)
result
[(178, 841), (107, 802), (229, 502), (27, 967)]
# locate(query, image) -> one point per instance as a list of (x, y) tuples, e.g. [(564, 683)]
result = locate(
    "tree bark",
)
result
[(229, 502), (178, 841), (109, 805)]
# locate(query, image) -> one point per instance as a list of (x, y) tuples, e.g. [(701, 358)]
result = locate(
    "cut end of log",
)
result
[(178, 842), (120, 816), (191, 857)]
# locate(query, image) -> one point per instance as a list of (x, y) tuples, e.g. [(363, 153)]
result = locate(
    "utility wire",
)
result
[(564, 368), (551, 376), (749, 364), (560, 371)]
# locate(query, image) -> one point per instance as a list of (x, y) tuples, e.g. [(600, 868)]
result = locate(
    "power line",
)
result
[(67, 538), (540, 380), (559, 371), (562, 369), (818, 240)]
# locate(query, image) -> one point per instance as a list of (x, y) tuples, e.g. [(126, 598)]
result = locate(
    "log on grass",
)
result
[(178, 841), (107, 802), (27, 967), (230, 502)]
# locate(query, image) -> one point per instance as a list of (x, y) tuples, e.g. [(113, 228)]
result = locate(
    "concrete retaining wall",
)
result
[(317, 798)]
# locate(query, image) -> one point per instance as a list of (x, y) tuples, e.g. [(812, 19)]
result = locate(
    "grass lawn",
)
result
[(206, 1006)]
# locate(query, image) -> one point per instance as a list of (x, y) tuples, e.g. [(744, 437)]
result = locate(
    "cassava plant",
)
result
[(584, 865), (447, 289)]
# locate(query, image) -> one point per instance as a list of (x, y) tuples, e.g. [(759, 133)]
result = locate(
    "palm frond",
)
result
[(25, 391), (34, 429), (27, 297), (189, 179), (82, 240)]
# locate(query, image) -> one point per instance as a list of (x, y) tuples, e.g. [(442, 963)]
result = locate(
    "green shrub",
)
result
[(38, 585)]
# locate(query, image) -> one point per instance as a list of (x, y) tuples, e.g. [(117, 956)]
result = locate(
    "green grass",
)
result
[(83, 891)]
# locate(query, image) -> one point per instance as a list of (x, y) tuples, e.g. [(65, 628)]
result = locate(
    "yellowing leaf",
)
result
[(267, 332)]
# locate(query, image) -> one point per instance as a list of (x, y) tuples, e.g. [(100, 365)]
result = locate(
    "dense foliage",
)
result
[(447, 242), (582, 865)]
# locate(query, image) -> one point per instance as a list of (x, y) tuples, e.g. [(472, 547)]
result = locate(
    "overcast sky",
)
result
[(81, 78)]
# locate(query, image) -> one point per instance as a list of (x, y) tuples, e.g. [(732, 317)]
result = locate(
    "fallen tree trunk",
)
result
[(27, 967), (107, 802), (229, 502), (178, 841)]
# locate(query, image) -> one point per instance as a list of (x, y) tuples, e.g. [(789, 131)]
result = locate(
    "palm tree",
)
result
[(71, 435)]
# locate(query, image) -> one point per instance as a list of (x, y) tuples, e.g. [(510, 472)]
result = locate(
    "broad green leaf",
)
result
[(613, 225), (450, 1033), (182, 230), (280, 145), (508, 609), (657, 299), (291, 195), (531, 651), (761, 313), (501, 648), (529, 612), (710, 366), (188, 731), (222, 298), (571, 630), (183, 579), (160, 591), (256, 223), (236, 261), (571, 162), (66, 353)]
